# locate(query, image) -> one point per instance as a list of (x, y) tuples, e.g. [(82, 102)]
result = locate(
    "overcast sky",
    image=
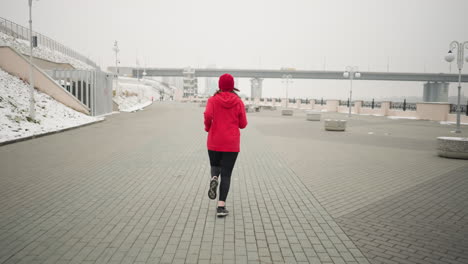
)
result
[(407, 35)]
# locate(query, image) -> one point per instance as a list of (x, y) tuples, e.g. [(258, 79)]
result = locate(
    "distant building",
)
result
[(190, 83)]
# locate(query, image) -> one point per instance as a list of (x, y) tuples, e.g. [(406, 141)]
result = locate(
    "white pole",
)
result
[(350, 91), (458, 130), (287, 88), (32, 111), (116, 49)]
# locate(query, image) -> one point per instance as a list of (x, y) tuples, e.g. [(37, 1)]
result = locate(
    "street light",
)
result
[(116, 50), (449, 58), (32, 110), (351, 72), (287, 80)]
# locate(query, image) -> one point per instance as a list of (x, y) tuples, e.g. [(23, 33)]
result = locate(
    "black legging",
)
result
[(222, 163)]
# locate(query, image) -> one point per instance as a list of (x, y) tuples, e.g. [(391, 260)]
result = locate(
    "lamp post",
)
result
[(449, 58), (116, 50), (32, 110), (351, 72), (287, 80)]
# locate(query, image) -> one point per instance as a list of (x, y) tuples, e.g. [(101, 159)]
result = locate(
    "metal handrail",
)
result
[(17, 31)]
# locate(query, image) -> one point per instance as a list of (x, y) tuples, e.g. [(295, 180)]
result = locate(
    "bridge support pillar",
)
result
[(435, 92), (256, 87)]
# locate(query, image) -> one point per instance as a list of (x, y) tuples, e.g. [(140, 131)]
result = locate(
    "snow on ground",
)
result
[(402, 117), (133, 95), (14, 111), (451, 123), (22, 46)]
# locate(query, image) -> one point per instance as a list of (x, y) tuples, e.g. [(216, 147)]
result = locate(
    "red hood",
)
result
[(227, 99)]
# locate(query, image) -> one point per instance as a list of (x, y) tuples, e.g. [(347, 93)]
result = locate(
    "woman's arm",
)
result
[(242, 116), (208, 115)]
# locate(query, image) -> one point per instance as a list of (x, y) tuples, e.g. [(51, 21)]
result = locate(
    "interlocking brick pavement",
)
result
[(427, 223), (382, 182), (133, 190)]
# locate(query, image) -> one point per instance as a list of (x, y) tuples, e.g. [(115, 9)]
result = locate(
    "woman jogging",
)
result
[(224, 116)]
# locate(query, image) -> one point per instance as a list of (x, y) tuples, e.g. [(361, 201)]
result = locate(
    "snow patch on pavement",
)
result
[(451, 123), (50, 114), (402, 117)]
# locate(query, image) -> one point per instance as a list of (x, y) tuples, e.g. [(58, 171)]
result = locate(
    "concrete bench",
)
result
[(287, 112), (313, 116), (269, 107), (335, 125), (203, 104), (452, 147)]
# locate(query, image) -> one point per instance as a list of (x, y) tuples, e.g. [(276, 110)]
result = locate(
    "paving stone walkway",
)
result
[(133, 190), (382, 182)]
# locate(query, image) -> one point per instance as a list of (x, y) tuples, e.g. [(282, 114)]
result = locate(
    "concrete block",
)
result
[(452, 147), (335, 125), (287, 112)]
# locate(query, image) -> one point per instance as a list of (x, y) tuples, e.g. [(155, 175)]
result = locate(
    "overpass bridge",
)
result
[(295, 74), (435, 85)]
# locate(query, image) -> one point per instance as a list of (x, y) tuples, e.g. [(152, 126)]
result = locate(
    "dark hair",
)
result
[(219, 91)]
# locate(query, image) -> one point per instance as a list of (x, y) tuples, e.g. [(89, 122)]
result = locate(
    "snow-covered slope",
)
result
[(42, 52), (14, 111), (133, 94)]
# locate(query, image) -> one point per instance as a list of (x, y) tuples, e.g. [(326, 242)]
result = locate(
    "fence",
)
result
[(319, 102), (372, 104), (463, 109), (345, 103), (403, 106), (17, 31), (92, 88)]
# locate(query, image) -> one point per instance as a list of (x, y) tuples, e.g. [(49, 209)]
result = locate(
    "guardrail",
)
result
[(17, 31), (345, 103), (463, 109), (372, 104), (319, 102), (403, 106)]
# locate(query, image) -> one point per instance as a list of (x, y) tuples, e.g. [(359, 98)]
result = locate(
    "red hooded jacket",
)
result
[(224, 115)]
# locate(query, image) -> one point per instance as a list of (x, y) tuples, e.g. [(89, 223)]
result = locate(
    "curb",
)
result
[(48, 133)]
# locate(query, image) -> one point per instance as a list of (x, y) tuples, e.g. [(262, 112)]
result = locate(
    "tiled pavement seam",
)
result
[(134, 207)]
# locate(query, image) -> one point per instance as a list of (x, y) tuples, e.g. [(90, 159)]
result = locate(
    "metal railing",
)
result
[(19, 32), (403, 106), (345, 103), (92, 88), (463, 109), (372, 105), (320, 102)]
